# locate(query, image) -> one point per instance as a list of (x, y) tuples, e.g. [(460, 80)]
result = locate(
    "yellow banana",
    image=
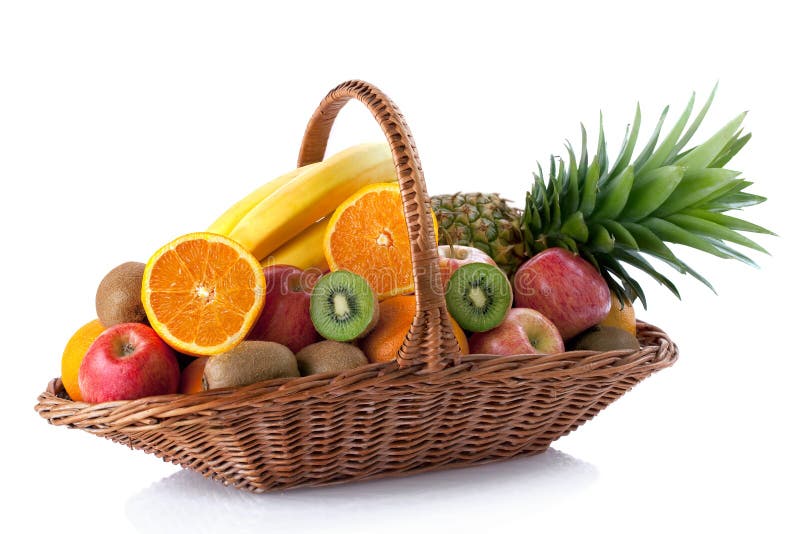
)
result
[(228, 220), (311, 195), (304, 251)]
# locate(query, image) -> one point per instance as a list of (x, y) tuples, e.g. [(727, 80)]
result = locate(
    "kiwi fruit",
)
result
[(605, 338), (119, 295), (329, 357), (478, 296), (249, 362), (343, 306)]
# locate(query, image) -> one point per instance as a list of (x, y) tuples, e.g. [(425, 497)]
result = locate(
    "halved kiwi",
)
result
[(478, 296), (343, 306)]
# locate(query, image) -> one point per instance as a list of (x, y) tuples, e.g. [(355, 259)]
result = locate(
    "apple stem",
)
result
[(449, 243)]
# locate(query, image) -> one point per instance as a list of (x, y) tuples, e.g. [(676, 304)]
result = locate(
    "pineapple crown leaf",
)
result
[(628, 143), (615, 214), (687, 136)]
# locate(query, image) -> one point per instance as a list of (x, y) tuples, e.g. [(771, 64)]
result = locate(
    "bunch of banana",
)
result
[(284, 221)]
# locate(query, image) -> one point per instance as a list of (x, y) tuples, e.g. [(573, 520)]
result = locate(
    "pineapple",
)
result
[(614, 214), (484, 221)]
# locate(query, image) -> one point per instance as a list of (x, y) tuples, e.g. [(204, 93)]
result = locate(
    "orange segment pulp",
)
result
[(202, 293), (367, 234)]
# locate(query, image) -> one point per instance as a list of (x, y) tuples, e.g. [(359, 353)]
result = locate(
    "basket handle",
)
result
[(430, 339)]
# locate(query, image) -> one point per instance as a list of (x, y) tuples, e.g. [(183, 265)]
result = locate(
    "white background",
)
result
[(123, 125)]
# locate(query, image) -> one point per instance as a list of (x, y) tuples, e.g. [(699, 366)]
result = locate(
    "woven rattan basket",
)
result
[(430, 409)]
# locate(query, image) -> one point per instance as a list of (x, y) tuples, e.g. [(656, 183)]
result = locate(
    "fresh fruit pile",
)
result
[(311, 272)]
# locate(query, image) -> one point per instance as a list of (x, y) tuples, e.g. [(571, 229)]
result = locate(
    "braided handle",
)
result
[(430, 339)]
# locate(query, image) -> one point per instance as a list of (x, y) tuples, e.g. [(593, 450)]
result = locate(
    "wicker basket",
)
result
[(430, 409)]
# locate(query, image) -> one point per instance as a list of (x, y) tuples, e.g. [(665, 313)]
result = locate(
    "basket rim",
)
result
[(555, 371)]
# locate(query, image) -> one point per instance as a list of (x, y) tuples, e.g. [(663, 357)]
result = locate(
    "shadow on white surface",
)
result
[(185, 501)]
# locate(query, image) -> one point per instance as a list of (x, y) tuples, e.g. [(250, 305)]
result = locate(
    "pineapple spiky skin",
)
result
[(484, 221), (613, 214)]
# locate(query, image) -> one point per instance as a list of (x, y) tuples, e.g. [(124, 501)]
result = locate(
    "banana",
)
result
[(228, 220), (312, 194), (304, 251)]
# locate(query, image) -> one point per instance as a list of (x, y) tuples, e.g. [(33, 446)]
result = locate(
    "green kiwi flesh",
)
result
[(478, 296), (329, 357), (343, 306)]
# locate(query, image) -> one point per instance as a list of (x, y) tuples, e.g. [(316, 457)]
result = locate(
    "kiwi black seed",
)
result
[(249, 362), (329, 357), (478, 296), (119, 295), (605, 338), (343, 306)]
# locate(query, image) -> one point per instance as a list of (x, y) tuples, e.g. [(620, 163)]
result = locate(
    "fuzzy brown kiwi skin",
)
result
[(118, 299), (248, 363), (605, 338), (329, 357)]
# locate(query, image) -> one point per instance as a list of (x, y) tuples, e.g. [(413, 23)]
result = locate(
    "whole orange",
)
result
[(74, 352), (621, 315), (395, 318), (192, 376), (461, 337)]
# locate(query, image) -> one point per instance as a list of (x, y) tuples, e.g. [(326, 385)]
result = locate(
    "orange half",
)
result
[(367, 234), (202, 293)]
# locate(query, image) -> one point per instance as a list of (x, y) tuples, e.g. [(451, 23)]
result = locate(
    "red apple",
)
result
[(523, 331), (128, 361), (285, 318), (453, 257), (567, 289)]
